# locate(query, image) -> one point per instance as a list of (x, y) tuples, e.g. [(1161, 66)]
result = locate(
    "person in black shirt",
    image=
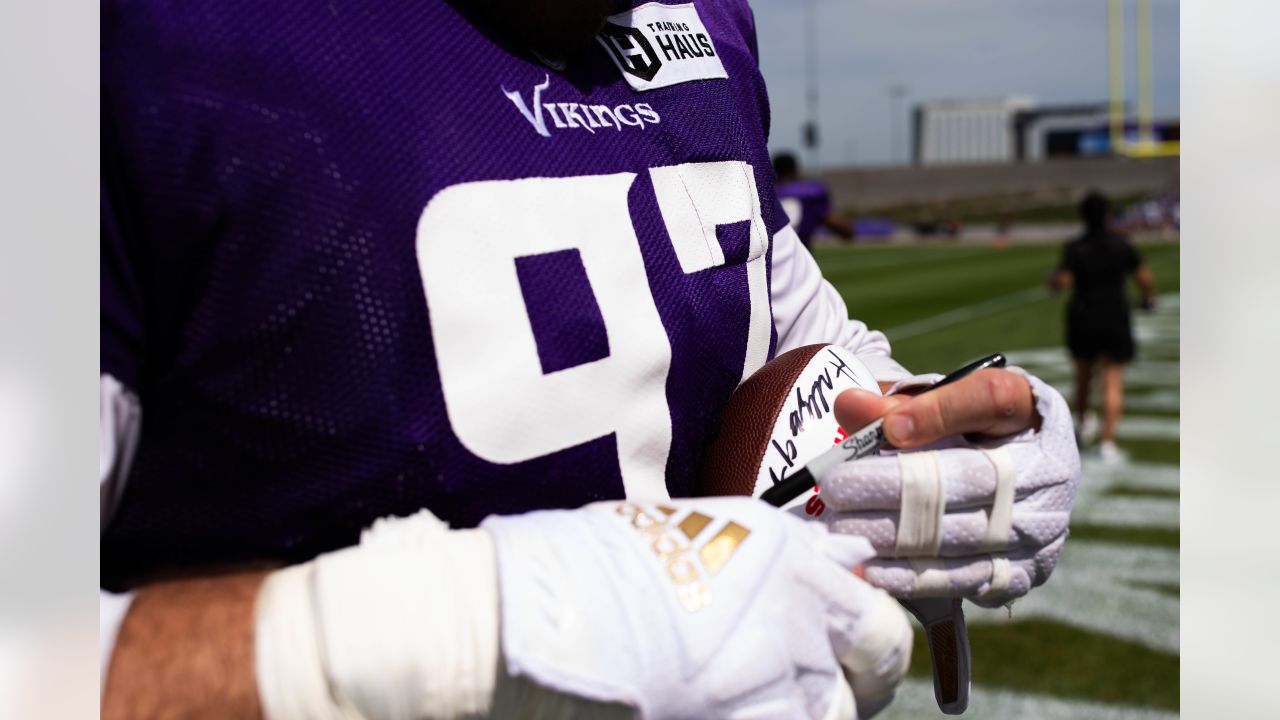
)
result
[(1099, 330)]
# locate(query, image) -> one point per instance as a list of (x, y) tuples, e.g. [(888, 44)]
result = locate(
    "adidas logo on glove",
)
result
[(674, 544)]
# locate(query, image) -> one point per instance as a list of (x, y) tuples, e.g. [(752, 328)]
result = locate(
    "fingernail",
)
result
[(900, 428)]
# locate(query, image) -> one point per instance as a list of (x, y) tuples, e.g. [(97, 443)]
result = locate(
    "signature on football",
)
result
[(811, 404)]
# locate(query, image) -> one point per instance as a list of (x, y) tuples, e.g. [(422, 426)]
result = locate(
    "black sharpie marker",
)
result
[(864, 442)]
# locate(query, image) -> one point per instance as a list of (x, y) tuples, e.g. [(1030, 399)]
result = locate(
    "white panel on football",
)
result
[(500, 404), (806, 426), (696, 198)]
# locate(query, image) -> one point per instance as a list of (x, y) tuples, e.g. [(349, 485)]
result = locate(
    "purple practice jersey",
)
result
[(364, 258), (806, 203)]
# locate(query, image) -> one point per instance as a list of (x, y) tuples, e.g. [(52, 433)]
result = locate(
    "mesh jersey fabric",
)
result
[(265, 168)]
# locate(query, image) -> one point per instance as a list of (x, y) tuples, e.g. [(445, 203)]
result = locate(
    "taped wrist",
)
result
[(404, 625)]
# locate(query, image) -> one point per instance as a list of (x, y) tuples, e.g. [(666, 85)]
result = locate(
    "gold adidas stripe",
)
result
[(694, 524), (721, 548)]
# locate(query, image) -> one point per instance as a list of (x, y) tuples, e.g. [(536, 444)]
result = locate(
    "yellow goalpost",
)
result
[(1146, 146)]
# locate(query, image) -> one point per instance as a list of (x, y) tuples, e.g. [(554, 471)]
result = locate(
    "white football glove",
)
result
[(712, 608), (980, 520), (709, 608)]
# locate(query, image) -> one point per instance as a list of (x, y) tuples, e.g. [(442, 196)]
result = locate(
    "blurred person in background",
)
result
[(806, 201), (1099, 328), (1004, 229)]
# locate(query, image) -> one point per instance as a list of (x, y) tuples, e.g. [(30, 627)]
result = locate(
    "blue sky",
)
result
[(1052, 50)]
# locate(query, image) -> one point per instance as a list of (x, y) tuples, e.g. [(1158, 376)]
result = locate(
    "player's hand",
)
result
[(976, 500), (718, 607)]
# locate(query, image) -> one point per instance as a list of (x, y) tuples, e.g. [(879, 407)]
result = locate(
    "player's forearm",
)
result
[(839, 226), (1060, 280), (186, 650), (1146, 281)]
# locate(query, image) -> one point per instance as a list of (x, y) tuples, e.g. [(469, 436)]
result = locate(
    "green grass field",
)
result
[(1100, 639), (893, 287)]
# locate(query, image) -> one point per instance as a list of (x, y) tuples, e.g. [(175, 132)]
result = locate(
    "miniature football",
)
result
[(780, 418)]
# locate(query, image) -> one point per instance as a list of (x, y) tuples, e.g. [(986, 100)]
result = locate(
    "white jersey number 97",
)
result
[(501, 405)]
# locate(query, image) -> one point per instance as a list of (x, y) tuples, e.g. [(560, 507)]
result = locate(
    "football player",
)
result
[(806, 202), (417, 315)]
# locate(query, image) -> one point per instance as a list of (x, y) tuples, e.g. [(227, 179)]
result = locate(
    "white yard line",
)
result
[(1159, 373), (1132, 512), (1094, 506), (1148, 427), (1151, 374), (1158, 400), (1101, 587), (1050, 357), (966, 313), (1147, 476)]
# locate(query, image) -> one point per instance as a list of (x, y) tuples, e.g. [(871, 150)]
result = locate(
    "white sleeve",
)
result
[(807, 310), (119, 420), (112, 607)]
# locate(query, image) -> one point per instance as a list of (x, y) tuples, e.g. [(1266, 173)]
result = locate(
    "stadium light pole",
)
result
[(810, 133), (896, 92)]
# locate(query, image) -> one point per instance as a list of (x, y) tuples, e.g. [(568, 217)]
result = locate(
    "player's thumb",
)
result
[(855, 408)]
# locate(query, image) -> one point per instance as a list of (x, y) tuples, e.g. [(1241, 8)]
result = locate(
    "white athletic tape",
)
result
[(932, 578), (1001, 572), (290, 671), (1013, 501), (1000, 521), (923, 504), (402, 626)]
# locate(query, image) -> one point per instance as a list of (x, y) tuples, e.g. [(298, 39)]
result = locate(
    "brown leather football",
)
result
[(780, 418)]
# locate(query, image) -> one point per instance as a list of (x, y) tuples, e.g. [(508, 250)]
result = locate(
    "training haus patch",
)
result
[(658, 45)]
